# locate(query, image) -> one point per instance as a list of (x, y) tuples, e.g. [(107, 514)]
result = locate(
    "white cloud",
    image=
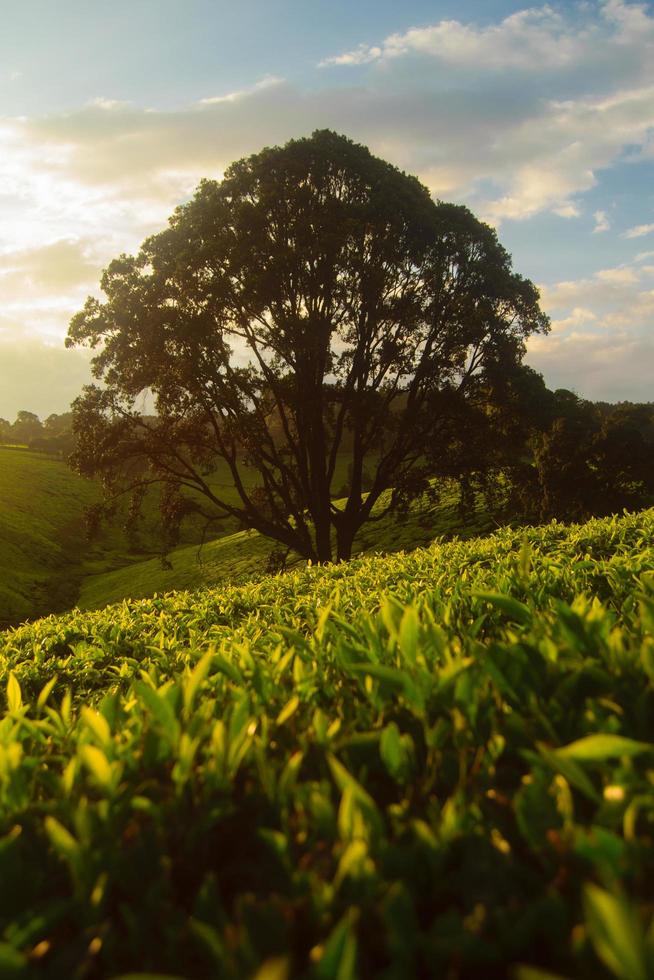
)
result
[(364, 54), (578, 317), (605, 290), (602, 366), (568, 210), (585, 98), (602, 222), (529, 40), (268, 81), (638, 231), (602, 339), (622, 275), (524, 40), (60, 265)]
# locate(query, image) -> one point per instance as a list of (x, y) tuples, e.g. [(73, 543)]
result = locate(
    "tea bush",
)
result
[(429, 764)]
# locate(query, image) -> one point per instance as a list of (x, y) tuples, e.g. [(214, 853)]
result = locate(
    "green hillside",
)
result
[(42, 536), (245, 555), (44, 551), (429, 764)]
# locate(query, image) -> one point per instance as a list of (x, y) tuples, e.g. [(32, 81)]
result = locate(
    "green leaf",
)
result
[(14, 696), (276, 968), (596, 748), (346, 781), (97, 724), (194, 680), (524, 972), (12, 962), (488, 664), (148, 976), (390, 675), (511, 607), (338, 961), (45, 692), (321, 625), (569, 770), (210, 939), (409, 633), (97, 764), (160, 708), (390, 747), (62, 840), (289, 709), (226, 667), (395, 751), (616, 934)]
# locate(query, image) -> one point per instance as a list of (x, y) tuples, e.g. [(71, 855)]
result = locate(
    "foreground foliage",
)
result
[(431, 764)]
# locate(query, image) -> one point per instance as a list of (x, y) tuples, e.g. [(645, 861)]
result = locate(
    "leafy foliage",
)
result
[(588, 463), (440, 762)]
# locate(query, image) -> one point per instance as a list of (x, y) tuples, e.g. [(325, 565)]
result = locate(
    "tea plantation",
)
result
[(430, 764)]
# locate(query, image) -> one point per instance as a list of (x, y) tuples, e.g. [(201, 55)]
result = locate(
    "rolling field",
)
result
[(42, 538), (429, 764), (44, 550), (47, 563), (239, 557)]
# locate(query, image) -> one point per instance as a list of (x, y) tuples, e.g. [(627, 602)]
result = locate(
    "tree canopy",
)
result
[(313, 313)]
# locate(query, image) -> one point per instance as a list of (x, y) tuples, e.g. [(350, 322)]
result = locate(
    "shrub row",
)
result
[(439, 763)]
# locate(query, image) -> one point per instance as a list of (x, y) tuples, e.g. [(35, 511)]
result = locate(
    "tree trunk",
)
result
[(323, 542), (344, 540)]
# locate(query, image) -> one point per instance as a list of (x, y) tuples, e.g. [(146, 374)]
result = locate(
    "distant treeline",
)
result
[(54, 435), (558, 455)]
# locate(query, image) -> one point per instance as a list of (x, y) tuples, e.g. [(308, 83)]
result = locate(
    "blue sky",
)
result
[(540, 118)]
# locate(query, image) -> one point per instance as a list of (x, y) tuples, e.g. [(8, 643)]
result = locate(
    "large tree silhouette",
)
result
[(313, 307)]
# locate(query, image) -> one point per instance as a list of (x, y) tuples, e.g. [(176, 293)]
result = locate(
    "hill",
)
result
[(436, 763), (44, 550), (246, 555), (41, 533)]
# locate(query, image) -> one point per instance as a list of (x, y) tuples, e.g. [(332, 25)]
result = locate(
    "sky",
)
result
[(539, 118)]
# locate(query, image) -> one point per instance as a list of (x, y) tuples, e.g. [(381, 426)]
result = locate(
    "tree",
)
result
[(58, 434), (489, 449), (26, 427), (315, 307), (592, 459), (623, 459)]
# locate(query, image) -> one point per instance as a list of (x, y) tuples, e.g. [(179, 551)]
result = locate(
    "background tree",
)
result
[(26, 427), (573, 458), (489, 449), (314, 308)]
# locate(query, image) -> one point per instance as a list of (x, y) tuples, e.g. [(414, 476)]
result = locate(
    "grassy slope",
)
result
[(41, 532), (45, 555), (429, 764), (44, 551), (244, 555)]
